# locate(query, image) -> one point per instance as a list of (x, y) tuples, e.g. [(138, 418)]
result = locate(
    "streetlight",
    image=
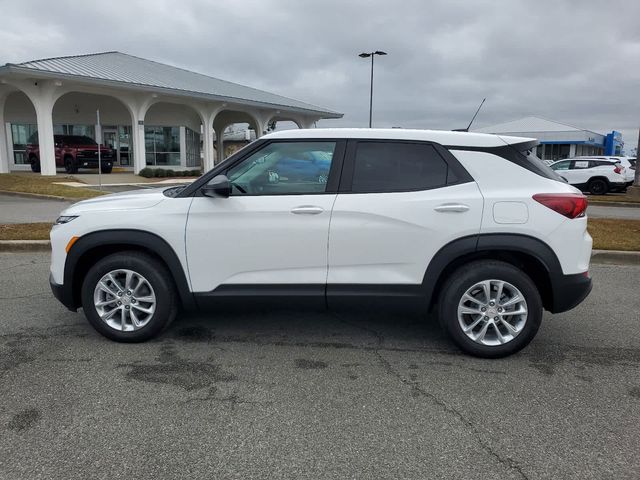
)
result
[(367, 55)]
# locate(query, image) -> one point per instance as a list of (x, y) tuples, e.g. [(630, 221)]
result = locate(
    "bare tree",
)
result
[(636, 182)]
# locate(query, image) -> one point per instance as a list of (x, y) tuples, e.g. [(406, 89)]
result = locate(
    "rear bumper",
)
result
[(64, 295), (569, 291)]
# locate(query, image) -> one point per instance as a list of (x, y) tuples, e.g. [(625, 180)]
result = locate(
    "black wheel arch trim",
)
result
[(516, 243), (125, 237)]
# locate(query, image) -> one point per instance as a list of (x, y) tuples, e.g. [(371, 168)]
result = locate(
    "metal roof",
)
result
[(130, 70), (529, 125)]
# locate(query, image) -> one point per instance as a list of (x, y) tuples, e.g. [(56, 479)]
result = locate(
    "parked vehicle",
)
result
[(462, 224), (72, 152), (629, 164), (597, 176)]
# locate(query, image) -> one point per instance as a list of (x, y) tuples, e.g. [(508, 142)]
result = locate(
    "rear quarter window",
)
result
[(397, 167)]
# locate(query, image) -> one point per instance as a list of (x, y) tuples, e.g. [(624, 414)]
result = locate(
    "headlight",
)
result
[(65, 219)]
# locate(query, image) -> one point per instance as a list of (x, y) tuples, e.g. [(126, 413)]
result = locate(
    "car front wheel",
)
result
[(129, 297), (490, 309)]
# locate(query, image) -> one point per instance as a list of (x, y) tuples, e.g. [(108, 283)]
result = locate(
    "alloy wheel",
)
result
[(492, 312), (124, 300)]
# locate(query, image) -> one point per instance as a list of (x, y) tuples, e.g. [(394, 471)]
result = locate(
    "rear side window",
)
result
[(582, 164), (397, 167)]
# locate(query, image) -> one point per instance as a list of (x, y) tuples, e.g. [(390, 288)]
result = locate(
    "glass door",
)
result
[(111, 140)]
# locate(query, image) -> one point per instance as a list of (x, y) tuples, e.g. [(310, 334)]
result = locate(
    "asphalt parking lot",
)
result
[(256, 394)]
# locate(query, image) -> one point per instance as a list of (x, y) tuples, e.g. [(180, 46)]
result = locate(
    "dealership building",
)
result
[(151, 114), (559, 140)]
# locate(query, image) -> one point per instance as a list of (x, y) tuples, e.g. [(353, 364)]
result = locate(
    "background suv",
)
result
[(73, 152), (464, 224), (597, 176), (629, 164)]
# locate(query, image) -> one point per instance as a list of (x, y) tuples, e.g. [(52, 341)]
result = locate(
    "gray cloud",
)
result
[(572, 61)]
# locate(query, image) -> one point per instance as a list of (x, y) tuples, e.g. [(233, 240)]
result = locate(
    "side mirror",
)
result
[(219, 186)]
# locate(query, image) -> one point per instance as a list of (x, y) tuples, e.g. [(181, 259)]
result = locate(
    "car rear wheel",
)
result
[(70, 165), (598, 186), (490, 309), (129, 297)]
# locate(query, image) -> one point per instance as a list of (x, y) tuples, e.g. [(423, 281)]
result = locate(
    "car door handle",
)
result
[(452, 207), (307, 210)]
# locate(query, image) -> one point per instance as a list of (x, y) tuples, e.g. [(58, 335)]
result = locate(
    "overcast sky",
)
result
[(572, 61)]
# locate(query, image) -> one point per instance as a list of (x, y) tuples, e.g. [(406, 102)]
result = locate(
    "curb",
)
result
[(615, 257), (600, 203), (38, 195), (25, 246)]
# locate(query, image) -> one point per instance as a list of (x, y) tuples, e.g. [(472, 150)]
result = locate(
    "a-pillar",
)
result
[(4, 150)]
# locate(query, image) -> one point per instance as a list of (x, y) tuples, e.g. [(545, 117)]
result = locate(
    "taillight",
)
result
[(617, 170), (571, 205)]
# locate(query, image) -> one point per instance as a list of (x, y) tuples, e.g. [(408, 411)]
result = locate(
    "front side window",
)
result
[(284, 168), (397, 167)]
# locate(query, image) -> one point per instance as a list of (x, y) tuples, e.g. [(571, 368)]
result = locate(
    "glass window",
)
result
[(397, 167), (22, 135), (561, 166), (581, 164), (284, 168), (162, 145), (193, 148)]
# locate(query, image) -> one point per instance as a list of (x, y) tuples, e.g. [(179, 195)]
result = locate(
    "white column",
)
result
[(4, 144), (307, 122), (44, 112), (139, 148), (183, 146), (572, 150), (208, 159)]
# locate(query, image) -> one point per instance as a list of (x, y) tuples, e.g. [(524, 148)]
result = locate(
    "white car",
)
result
[(460, 223), (597, 176), (629, 164)]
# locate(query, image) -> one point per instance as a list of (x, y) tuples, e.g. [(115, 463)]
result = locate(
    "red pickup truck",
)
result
[(73, 152)]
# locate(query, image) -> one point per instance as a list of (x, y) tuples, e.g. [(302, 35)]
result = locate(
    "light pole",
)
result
[(367, 55)]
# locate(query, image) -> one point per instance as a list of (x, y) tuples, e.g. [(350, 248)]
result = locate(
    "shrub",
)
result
[(160, 172), (147, 172)]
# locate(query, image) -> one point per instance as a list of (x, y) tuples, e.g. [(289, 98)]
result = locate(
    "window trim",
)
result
[(453, 165), (333, 180)]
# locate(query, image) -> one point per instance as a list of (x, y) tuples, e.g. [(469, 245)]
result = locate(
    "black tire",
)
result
[(597, 186), (70, 165), (158, 277), (466, 277), (106, 169), (35, 164)]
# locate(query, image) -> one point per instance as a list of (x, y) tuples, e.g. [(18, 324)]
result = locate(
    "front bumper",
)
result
[(64, 295), (569, 291), (93, 162)]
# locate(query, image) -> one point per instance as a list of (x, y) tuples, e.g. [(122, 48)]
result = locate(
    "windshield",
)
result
[(75, 140)]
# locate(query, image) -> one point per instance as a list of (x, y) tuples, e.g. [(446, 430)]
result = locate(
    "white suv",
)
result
[(596, 176), (464, 224), (629, 164)]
